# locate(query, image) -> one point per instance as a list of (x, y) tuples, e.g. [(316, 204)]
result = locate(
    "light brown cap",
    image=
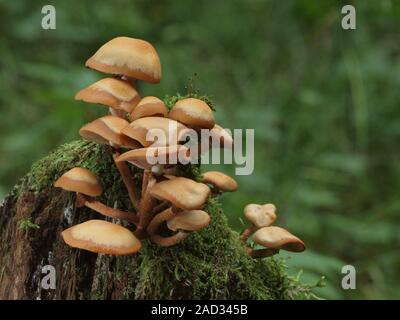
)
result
[(278, 238), (80, 180), (182, 192), (145, 158), (220, 134), (102, 237), (194, 113), (260, 215), (138, 129), (111, 92), (220, 181), (107, 129), (193, 220), (149, 107), (129, 57)]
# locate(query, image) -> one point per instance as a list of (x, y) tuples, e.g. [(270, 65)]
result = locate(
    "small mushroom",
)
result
[(86, 185), (171, 130), (193, 113), (149, 107), (146, 158), (100, 236), (260, 216), (182, 192), (129, 57), (193, 220), (107, 130), (114, 93), (220, 182), (274, 239)]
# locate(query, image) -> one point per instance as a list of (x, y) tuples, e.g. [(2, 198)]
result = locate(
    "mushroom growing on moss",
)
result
[(100, 236), (149, 107), (86, 186), (220, 182), (275, 239), (259, 216), (120, 96)]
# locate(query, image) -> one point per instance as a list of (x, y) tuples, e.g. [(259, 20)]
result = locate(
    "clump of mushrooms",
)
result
[(168, 207), (272, 238)]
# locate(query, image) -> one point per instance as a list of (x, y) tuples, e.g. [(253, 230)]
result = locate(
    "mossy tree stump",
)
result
[(210, 264)]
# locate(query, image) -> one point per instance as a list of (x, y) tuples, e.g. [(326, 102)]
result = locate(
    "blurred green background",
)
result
[(323, 101)]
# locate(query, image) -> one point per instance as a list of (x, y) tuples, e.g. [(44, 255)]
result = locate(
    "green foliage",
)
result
[(27, 224), (323, 103)]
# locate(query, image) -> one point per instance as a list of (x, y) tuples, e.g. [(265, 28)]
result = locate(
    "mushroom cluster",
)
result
[(167, 207), (142, 131), (272, 238)]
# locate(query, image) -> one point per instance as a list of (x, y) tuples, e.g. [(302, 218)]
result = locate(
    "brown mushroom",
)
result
[(129, 57), (149, 107), (107, 130), (114, 93), (193, 220), (168, 131), (276, 238), (182, 192), (101, 237), (193, 113), (260, 216), (146, 158), (220, 181), (85, 184)]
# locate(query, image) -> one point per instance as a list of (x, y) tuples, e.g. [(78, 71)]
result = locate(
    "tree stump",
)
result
[(210, 264)]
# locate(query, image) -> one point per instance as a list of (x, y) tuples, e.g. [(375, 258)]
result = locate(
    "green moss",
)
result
[(210, 264), (27, 224)]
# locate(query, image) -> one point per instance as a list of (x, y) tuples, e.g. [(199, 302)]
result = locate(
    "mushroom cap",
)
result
[(149, 107), (221, 135), (260, 215), (145, 158), (107, 129), (102, 237), (170, 129), (193, 220), (193, 113), (111, 92), (182, 192), (80, 180), (129, 57), (278, 238), (220, 180)]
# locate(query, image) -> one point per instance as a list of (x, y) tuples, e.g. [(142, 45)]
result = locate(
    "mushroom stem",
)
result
[(160, 207), (105, 210), (154, 225), (128, 181), (168, 241), (247, 232), (147, 203), (262, 253)]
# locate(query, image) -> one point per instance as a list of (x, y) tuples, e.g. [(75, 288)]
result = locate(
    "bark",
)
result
[(210, 264)]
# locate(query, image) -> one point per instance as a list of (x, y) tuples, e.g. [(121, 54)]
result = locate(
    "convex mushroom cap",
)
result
[(182, 192), (111, 92), (145, 158), (107, 129), (149, 107), (133, 58), (220, 181), (102, 237), (278, 238), (194, 113), (193, 220), (155, 131), (80, 180), (260, 215)]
